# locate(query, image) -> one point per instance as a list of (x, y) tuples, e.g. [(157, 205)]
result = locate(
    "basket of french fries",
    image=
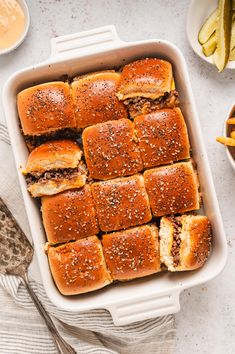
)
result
[(229, 136)]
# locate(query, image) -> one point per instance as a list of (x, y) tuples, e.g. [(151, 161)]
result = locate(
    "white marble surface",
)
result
[(206, 323)]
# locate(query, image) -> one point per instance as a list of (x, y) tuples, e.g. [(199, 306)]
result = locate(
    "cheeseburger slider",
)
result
[(172, 188), (163, 137), (69, 215), (132, 253), (54, 167), (95, 99), (78, 267), (46, 111), (184, 241), (147, 85), (121, 203), (111, 149)]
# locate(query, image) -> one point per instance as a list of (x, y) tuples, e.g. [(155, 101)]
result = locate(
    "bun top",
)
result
[(69, 215), (111, 149), (194, 251), (46, 108), (163, 137), (95, 99), (121, 203), (149, 78), (172, 188), (132, 253), (53, 155), (79, 267)]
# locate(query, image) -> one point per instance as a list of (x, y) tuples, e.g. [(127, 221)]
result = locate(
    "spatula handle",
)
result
[(62, 346)]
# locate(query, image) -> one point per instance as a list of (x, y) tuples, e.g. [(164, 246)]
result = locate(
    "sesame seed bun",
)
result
[(121, 203), (54, 167), (172, 188), (79, 267), (132, 253), (46, 108), (162, 136), (185, 241), (111, 149), (69, 215), (150, 78), (95, 100)]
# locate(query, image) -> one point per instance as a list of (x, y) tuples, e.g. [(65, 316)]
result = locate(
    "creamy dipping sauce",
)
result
[(12, 23)]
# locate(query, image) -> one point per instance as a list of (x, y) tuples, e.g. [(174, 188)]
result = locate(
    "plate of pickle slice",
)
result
[(211, 31)]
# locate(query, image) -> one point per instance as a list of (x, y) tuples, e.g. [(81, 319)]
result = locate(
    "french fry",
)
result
[(231, 121), (232, 134), (226, 141)]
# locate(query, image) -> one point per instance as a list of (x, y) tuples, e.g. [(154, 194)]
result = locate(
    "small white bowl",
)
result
[(230, 150), (198, 12), (25, 9)]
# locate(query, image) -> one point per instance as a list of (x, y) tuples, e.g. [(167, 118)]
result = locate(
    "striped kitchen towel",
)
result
[(23, 331)]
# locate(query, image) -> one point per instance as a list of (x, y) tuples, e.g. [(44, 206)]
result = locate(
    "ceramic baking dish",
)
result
[(91, 51)]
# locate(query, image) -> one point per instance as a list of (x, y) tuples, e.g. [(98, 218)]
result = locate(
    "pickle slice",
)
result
[(223, 31), (209, 47), (232, 39), (232, 55), (208, 28)]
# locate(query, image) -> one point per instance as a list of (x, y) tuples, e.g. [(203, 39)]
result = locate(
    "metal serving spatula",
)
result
[(16, 254)]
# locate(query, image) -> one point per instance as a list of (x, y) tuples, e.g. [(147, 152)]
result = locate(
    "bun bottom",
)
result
[(50, 187)]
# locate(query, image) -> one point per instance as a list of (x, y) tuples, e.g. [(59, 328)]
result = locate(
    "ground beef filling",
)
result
[(36, 140), (142, 105), (67, 173), (175, 250)]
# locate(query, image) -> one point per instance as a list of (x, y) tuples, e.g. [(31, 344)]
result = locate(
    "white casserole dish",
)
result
[(91, 51)]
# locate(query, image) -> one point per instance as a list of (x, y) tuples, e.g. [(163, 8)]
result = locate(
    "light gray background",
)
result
[(206, 323)]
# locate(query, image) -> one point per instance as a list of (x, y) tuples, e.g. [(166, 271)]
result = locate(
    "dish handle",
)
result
[(83, 42), (145, 308)]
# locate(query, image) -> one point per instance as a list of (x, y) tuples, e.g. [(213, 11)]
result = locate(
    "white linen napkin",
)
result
[(21, 329)]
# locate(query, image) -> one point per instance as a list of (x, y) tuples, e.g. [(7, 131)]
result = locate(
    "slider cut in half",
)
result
[(121, 203), (69, 215), (95, 99), (147, 85), (163, 137), (111, 149), (79, 267), (54, 167), (44, 110), (132, 253), (172, 188), (184, 241)]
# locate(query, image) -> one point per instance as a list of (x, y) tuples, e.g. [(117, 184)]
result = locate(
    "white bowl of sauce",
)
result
[(14, 24)]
